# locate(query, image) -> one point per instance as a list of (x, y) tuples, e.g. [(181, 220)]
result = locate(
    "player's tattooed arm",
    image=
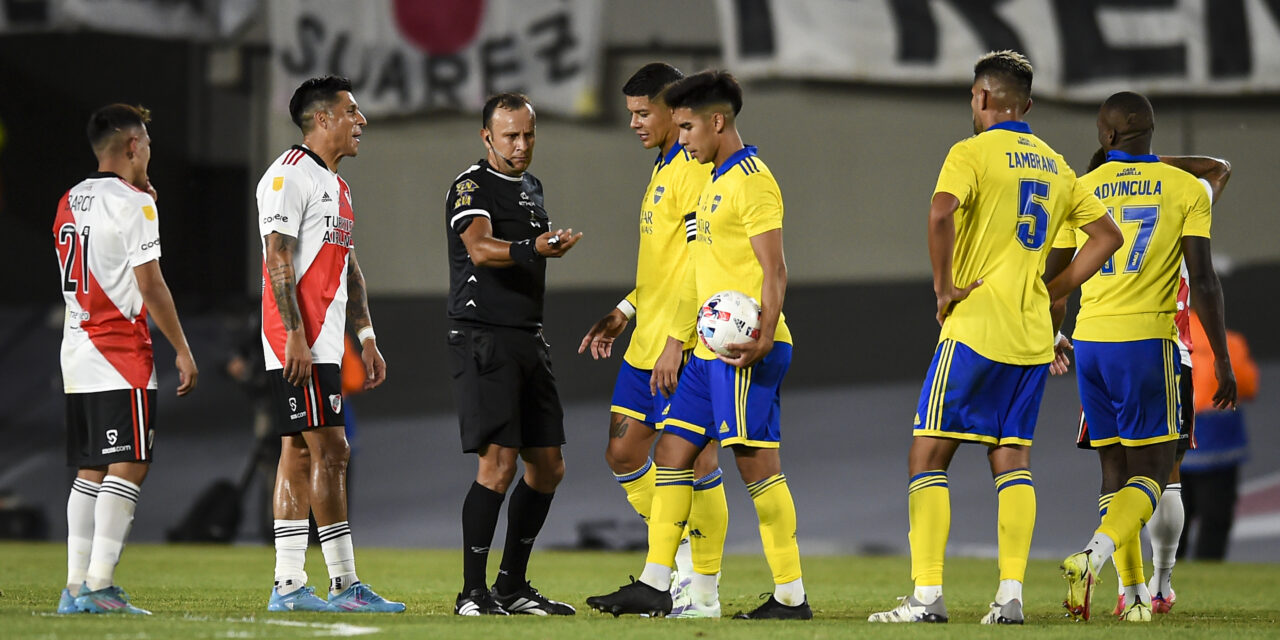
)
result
[(283, 281), (357, 297)]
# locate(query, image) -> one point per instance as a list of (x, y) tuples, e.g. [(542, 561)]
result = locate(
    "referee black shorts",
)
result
[(504, 388)]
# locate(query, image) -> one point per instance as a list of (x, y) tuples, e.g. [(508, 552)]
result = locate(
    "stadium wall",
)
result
[(856, 164)]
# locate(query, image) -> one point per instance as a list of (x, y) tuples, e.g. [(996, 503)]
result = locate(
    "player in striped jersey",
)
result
[(1128, 368), (107, 237), (312, 285), (653, 360)]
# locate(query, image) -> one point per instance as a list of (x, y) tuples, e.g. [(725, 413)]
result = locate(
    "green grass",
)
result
[(221, 592)]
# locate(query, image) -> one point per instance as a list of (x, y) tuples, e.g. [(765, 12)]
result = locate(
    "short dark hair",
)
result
[(105, 122), (323, 91), (650, 80), (705, 89), (508, 100), (1007, 66)]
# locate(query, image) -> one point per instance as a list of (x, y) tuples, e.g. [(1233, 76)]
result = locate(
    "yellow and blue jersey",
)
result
[(1135, 294), (741, 200), (666, 229), (1015, 193)]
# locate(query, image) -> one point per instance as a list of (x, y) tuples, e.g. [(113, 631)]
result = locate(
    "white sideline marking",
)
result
[(322, 629)]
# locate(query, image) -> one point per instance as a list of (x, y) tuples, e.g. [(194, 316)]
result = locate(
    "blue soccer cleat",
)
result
[(111, 599), (67, 602), (303, 599), (359, 598)]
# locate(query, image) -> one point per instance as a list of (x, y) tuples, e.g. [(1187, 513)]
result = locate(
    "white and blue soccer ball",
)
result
[(728, 317)]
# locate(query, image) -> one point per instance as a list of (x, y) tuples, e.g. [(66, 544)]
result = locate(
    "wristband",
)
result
[(524, 252), (1059, 338), (627, 309), (365, 334)]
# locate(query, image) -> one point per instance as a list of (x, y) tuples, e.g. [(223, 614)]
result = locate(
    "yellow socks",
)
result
[(929, 508), (1130, 509), (708, 523), (1016, 520), (777, 513), (672, 500), (639, 487)]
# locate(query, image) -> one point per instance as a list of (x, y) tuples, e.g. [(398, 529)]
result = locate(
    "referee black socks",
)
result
[(526, 514), (479, 519)]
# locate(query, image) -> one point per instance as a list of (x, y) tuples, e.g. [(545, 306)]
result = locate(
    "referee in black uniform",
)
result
[(499, 240)]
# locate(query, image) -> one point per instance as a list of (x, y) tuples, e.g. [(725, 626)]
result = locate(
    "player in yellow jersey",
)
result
[(1166, 523), (735, 399), (1000, 199), (652, 363), (1127, 358)]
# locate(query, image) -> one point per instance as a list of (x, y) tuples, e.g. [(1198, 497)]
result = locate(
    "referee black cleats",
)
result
[(774, 610), (478, 602), (526, 599), (636, 597)]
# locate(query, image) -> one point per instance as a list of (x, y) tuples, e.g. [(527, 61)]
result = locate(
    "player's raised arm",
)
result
[(375, 367), (284, 288), (1214, 171)]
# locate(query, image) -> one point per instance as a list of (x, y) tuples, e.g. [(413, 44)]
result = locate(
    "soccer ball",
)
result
[(728, 317)]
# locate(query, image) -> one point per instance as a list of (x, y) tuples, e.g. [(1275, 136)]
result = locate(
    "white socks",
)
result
[(657, 576), (112, 518), (1165, 528), (80, 506), (291, 555), (1136, 593), (339, 555), (789, 593), (684, 558), (1100, 548), (704, 589), (1009, 590), (927, 594)]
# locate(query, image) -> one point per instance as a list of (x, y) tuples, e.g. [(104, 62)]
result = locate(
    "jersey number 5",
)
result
[(76, 247), (1033, 218), (1146, 217)]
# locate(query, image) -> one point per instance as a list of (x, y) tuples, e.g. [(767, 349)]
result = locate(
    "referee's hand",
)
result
[(554, 244)]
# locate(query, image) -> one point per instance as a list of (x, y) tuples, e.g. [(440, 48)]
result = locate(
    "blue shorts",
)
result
[(631, 396), (1129, 391), (968, 397), (718, 401)]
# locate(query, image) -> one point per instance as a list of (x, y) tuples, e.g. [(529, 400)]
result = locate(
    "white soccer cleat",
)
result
[(912, 610)]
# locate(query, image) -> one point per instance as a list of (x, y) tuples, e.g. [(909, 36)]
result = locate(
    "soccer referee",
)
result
[(499, 239)]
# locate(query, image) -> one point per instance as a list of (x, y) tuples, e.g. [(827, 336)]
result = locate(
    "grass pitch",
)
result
[(221, 592)]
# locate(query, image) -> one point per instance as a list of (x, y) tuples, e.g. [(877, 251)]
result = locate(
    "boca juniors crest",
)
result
[(657, 193)]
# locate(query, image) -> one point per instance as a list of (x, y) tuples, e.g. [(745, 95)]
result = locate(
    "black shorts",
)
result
[(110, 426), (317, 403), (504, 388), (1186, 423)]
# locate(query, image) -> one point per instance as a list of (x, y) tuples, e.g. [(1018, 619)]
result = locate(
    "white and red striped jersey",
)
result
[(104, 228), (299, 196), (1182, 318)]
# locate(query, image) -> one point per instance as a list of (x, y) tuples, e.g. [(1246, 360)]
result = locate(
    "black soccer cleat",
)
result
[(478, 602), (636, 597), (774, 610), (526, 599)]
